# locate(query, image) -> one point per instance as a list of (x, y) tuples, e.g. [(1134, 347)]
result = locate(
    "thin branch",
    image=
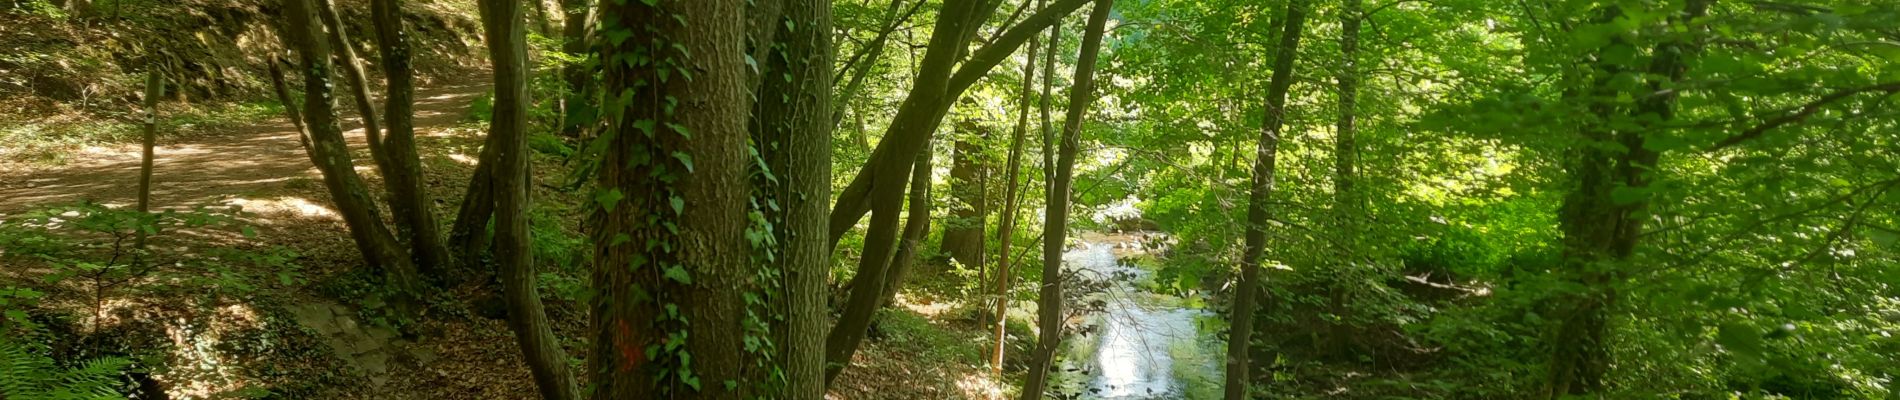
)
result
[(882, 35), (1807, 110)]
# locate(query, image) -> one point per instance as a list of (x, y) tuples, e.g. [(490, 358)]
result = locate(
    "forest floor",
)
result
[(319, 339)]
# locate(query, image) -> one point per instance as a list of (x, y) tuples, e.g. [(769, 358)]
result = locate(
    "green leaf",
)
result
[(679, 205), (678, 273), (609, 198), (685, 160), (681, 129), (1624, 195), (1740, 338), (645, 126)]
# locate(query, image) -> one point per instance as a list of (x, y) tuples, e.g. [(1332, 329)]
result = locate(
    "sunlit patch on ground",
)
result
[(294, 206), (925, 306), (198, 370), (465, 160), (980, 385)]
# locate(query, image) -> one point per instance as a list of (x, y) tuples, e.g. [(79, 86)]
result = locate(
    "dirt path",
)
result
[(209, 169)]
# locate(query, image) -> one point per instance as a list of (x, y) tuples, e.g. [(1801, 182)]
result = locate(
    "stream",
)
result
[(1142, 345)]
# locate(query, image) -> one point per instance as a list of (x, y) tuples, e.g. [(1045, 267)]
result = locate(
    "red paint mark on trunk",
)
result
[(628, 346)]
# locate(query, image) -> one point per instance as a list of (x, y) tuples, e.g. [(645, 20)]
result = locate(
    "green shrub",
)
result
[(27, 373)]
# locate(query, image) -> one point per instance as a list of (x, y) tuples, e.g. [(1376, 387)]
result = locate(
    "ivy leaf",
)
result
[(681, 129), (609, 198), (679, 205), (645, 126), (678, 274), (685, 160)]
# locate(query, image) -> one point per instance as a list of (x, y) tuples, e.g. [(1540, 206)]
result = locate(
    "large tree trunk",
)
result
[(672, 260), (924, 107), (409, 196), (963, 234), (1265, 156), (1006, 222), (796, 130), (332, 158), (154, 87), (508, 55), (1049, 302), (1600, 233)]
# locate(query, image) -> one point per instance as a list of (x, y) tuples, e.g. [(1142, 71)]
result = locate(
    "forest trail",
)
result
[(206, 169)]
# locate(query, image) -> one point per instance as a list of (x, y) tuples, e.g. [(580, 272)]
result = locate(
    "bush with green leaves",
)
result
[(27, 373)]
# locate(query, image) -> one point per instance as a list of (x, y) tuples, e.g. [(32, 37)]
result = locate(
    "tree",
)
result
[(1345, 160), (672, 259), (795, 121), (576, 36), (1239, 339), (409, 199), (882, 177), (154, 87), (1006, 223), (1056, 213), (916, 226), (508, 55), (878, 187), (963, 234), (1602, 229), (332, 158)]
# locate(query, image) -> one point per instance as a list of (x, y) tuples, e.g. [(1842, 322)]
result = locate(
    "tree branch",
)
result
[(1807, 110)]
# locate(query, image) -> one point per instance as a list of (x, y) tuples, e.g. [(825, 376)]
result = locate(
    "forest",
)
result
[(949, 199)]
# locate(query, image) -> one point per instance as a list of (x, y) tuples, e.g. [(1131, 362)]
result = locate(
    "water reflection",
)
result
[(1139, 335)]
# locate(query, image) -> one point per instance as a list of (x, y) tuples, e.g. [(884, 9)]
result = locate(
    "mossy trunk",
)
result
[(673, 260)]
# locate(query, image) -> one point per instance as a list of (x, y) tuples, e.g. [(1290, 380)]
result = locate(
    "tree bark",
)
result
[(1049, 301), (1600, 233), (1046, 106), (468, 238), (359, 85), (508, 56), (963, 235), (1345, 204), (154, 87), (673, 262), (541, 17), (1265, 157), (794, 116), (916, 226), (577, 35), (409, 196), (331, 156), (1006, 222), (290, 105)]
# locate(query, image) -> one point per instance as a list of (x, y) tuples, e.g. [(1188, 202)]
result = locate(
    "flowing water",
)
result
[(1143, 345)]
